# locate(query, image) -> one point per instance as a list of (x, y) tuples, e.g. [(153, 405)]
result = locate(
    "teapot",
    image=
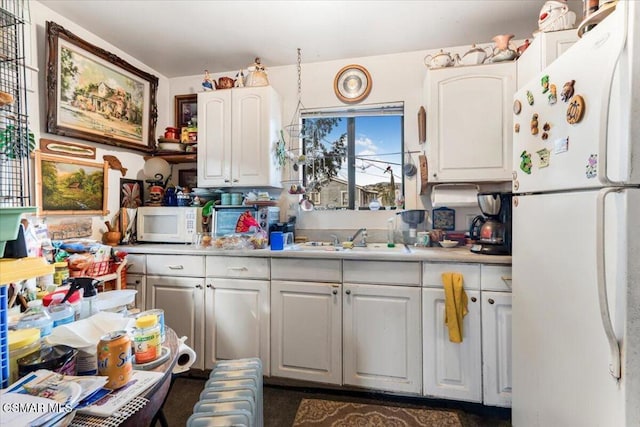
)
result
[(474, 56), (439, 60), (224, 83)]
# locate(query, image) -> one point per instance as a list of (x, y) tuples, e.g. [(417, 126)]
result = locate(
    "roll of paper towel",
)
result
[(186, 357), (454, 195)]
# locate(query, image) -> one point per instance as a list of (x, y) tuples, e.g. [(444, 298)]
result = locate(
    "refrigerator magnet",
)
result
[(592, 166), (530, 97), (543, 157), (525, 162), (552, 97), (567, 90), (516, 128), (575, 110), (544, 82), (517, 107), (561, 145), (534, 124)]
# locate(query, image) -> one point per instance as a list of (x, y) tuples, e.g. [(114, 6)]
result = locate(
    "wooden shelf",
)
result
[(173, 157), (16, 270)]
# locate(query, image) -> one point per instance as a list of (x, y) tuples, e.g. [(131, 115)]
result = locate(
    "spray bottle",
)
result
[(88, 285)]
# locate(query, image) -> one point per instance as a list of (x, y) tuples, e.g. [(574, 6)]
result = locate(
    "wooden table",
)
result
[(158, 393)]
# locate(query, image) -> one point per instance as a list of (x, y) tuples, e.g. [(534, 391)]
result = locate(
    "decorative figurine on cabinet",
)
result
[(207, 83), (555, 16)]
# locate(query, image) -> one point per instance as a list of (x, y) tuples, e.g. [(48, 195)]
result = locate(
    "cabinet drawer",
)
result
[(496, 278), (382, 272), (432, 274), (306, 270), (238, 267), (136, 264), (175, 265)]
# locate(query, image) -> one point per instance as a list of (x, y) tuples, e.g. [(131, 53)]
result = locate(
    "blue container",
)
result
[(4, 338), (277, 241)]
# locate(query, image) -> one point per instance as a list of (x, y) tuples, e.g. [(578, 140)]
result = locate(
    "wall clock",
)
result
[(352, 83)]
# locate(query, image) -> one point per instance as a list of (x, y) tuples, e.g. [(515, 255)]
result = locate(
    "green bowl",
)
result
[(10, 223)]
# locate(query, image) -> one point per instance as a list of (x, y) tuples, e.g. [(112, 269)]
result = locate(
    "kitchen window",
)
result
[(353, 156)]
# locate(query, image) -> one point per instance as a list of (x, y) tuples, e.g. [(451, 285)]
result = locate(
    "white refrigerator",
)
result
[(576, 233)]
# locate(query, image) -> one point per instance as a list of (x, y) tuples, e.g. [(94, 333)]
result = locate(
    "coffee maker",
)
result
[(492, 230)]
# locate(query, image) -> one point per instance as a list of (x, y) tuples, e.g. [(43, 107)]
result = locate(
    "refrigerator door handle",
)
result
[(614, 346)]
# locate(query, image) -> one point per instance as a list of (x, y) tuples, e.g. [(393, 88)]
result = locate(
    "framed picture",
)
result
[(68, 186), (131, 193), (96, 96), (188, 178), (186, 109)]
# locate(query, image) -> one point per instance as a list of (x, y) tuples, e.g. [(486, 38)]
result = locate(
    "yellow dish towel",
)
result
[(455, 301)]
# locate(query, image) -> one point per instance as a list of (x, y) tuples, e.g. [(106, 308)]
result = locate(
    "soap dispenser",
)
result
[(89, 288)]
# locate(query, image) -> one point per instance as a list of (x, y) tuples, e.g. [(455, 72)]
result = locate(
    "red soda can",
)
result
[(114, 359)]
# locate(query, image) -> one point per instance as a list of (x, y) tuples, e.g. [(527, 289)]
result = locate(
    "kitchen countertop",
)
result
[(375, 251)]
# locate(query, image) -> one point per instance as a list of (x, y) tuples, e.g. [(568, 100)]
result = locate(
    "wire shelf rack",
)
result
[(16, 142)]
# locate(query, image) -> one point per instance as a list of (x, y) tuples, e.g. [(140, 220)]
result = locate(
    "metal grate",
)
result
[(16, 141)]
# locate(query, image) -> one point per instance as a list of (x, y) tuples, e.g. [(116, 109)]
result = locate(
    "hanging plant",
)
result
[(16, 143)]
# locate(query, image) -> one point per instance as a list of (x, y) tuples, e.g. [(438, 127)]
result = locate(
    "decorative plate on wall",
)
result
[(352, 83)]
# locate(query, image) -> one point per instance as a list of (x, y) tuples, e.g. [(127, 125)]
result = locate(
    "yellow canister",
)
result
[(22, 342), (60, 273), (146, 339)]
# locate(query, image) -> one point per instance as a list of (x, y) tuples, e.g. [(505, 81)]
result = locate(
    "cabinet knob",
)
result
[(491, 301), (137, 282), (235, 180), (209, 286), (435, 175), (348, 292), (199, 286), (335, 292), (226, 180), (474, 299), (176, 267)]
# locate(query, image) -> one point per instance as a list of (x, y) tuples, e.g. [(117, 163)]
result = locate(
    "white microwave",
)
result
[(168, 224)]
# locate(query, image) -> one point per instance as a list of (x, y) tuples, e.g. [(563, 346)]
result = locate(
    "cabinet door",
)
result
[(138, 283), (237, 321), (381, 336), (254, 114), (496, 348), (214, 139), (451, 370), (182, 300), (469, 122), (306, 336)]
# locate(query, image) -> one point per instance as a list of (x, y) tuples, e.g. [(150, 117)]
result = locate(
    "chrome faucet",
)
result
[(363, 238), (335, 240)]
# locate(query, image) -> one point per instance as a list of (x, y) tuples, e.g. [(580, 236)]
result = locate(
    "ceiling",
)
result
[(183, 38)]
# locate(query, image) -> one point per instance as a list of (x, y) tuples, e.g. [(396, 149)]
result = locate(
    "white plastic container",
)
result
[(60, 312), (36, 317)]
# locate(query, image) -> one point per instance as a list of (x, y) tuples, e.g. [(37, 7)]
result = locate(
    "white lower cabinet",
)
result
[(451, 370), (496, 357), (138, 282), (236, 320), (381, 335), (306, 335), (182, 299)]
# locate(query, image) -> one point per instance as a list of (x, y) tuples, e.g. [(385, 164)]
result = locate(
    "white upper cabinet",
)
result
[(469, 122), (542, 51), (237, 130)]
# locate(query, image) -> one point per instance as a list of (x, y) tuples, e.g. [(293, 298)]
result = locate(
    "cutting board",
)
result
[(424, 174)]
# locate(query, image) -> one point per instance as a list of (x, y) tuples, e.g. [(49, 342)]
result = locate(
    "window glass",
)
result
[(353, 157)]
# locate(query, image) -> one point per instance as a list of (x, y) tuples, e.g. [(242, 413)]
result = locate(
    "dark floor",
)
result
[(281, 404)]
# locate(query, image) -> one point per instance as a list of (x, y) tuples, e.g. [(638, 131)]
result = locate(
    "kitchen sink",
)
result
[(371, 247)]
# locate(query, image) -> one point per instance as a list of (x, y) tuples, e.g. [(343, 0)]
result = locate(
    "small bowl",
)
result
[(449, 243)]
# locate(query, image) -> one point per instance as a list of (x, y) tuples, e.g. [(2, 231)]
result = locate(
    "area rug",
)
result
[(328, 413)]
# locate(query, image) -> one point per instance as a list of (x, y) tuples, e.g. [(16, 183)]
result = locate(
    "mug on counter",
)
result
[(279, 240), (225, 199), (236, 199)]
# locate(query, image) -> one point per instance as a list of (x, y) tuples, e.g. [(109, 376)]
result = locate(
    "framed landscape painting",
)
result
[(97, 96), (68, 186)]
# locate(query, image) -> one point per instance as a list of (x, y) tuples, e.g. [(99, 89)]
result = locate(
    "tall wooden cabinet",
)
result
[(469, 122), (237, 130)]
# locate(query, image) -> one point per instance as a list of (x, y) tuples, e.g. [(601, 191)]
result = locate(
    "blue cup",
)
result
[(277, 241), (225, 199)]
